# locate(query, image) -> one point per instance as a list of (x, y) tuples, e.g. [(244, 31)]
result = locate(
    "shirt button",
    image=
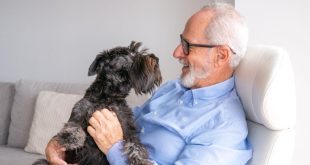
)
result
[(195, 102), (180, 101), (155, 113), (142, 130)]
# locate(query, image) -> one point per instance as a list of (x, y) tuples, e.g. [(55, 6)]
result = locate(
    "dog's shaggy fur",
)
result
[(118, 71)]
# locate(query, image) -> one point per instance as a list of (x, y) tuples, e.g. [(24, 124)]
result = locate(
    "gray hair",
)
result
[(227, 27)]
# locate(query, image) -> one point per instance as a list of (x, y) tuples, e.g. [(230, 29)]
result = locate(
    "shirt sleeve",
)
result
[(115, 155)]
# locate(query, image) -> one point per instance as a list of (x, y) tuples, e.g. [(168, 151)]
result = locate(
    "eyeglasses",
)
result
[(186, 45)]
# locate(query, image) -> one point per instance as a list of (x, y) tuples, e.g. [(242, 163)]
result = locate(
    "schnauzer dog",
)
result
[(118, 71)]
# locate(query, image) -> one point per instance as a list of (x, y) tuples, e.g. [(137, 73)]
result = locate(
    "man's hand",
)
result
[(105, 129), (55, 154)]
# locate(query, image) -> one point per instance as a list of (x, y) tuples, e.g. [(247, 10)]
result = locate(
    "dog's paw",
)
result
[(72, 136)]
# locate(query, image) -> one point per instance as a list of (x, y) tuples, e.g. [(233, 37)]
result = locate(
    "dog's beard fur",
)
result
[(189, 79)]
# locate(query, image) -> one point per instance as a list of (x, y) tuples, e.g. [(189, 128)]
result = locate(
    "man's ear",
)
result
[(223, 55), (93, 68)]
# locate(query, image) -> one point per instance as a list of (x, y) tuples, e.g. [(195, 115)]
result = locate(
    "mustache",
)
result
[(183, 62)]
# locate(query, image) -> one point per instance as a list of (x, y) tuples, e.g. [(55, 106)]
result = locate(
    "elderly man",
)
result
[(197, 119)]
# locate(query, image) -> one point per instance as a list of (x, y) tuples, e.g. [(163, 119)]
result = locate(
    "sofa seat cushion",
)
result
[(16, 156)]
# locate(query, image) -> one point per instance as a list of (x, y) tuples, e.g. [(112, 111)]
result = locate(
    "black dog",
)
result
[(118, 71)]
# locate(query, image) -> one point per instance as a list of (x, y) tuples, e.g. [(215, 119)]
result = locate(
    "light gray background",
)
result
[(56, 40)]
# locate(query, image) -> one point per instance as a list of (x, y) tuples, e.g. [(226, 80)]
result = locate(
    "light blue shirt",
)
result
[(181, 126)]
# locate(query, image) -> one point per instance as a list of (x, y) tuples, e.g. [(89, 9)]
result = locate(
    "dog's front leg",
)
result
[(73, 135)]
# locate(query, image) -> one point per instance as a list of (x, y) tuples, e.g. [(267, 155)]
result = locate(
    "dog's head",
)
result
[(127, 67)]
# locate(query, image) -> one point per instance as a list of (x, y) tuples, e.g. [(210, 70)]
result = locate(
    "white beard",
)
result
[(189, 80)]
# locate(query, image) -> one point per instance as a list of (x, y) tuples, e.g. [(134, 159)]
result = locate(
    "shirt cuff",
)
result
[(115, 154)]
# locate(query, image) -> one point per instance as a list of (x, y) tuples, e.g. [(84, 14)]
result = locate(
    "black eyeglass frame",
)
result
[(186, 45)]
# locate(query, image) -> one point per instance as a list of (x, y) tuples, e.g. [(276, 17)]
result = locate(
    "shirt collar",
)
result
[(195, 96)]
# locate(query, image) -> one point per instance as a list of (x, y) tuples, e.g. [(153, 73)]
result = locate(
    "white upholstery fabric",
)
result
[(265, 84), (270, 147)]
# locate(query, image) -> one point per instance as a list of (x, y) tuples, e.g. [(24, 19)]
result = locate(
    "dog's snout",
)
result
[(152, 62), (153, 57)]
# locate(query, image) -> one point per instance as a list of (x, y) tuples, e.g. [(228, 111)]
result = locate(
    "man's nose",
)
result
[(178, 52)]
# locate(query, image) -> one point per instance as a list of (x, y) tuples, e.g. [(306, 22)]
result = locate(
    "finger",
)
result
[(59, 148), (99, 117), (109, 115), (94, 122), (113, 119), (63, 149), (97, 137), (91, 131)]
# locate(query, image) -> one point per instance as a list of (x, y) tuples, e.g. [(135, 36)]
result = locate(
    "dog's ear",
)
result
[(93, 68), (134, 46)]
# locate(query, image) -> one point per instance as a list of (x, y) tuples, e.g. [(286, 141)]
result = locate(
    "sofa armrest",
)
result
[(6, 100)]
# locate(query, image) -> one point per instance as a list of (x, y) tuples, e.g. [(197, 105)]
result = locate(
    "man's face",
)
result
[(197, 65)]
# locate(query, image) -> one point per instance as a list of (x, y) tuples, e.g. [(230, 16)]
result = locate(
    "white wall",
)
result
[(56, 40), (286, 24)]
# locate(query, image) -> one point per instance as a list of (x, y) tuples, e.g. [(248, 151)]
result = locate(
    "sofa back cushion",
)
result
[(6, 100), (24, 104), (52, 111)]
